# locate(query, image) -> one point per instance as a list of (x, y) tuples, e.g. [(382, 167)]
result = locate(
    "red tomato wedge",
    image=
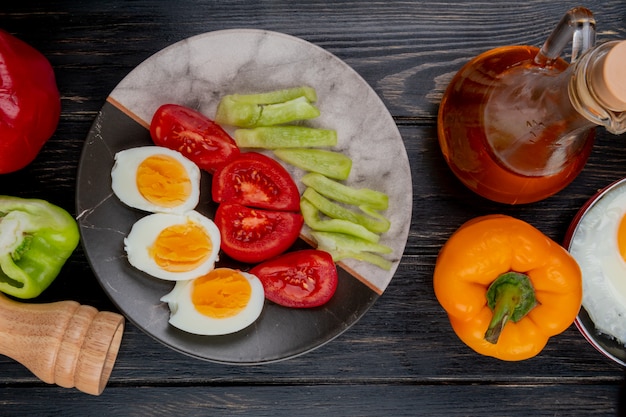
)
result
[(194, 135), (254, 235), (255, 180), (301, 279)]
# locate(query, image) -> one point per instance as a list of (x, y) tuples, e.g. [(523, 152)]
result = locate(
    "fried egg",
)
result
[(156, 179), (599, 246), (221, 302), (173, 246)]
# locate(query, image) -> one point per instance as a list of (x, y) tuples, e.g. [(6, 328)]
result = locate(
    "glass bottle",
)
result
[(517, 123)]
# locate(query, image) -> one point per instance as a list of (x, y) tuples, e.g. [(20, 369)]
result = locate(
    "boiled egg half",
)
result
[(221, 302), (156, 179), (173, 246)]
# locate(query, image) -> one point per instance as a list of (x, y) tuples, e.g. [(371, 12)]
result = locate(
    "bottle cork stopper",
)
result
[(609, 78)]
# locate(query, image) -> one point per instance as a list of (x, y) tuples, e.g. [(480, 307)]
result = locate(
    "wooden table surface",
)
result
[(402, 358)]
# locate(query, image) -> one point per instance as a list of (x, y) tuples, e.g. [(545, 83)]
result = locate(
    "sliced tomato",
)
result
[(194, 135), (255, 180), (255, 235), (301, 279)]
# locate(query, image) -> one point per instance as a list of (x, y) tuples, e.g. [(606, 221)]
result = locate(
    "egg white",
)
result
[(145, 231), (124, 184), (594, 246), (184, 315)]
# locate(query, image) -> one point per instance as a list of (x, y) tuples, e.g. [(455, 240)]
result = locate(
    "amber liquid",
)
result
[(507, 129)]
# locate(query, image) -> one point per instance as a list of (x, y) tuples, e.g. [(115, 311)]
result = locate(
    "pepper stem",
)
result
[(511, 296)]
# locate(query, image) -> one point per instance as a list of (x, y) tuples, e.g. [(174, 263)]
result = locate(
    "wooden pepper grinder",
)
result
[(64, 343)]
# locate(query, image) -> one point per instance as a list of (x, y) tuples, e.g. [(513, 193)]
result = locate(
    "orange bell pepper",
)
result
[(507, 288)]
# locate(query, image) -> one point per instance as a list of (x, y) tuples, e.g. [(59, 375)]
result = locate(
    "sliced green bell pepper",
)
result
[(36, 238), (346, 194), (328, 163), (273, 137), (311, 215), (267, 109), (343, 246), (371, 220), (276, 96)]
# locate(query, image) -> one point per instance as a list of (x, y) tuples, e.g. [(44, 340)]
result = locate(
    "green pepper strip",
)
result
[(329, 163), (243, 114), (511, 296), (346, 194), (342, 246), (310, 213), (36, 238), (373, 222), (272, 137), (276, 96)]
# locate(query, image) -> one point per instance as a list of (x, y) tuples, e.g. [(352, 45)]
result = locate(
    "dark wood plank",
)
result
[(402, 358), (374, 399), (406, 50)]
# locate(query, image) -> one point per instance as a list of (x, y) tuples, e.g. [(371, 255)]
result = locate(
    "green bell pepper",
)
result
[(342, 246), (267, 109), (331, 164), (36, 238), (276, 96), (274, 137), (371, 220), (337, 191), (311, 215)]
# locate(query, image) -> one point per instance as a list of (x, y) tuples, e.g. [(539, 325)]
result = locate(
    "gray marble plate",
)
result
[(597, 336), (196, 72)]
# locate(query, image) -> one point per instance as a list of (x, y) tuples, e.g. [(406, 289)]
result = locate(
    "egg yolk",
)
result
[(181, 247), (221, 293), (163, 181), (621, 237)]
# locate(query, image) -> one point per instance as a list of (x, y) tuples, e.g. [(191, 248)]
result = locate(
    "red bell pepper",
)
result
[(30, 104)]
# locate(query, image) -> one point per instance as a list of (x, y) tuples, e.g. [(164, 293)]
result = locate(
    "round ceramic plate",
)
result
[(197, 72), (598, 338)]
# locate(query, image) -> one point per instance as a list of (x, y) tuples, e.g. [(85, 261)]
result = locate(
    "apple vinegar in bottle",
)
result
[(517, 123)]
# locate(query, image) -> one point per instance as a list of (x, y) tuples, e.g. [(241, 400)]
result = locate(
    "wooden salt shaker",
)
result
[(63, 343)]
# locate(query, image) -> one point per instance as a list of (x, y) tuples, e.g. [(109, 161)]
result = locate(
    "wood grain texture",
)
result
[(373, 399), (402, 358)]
